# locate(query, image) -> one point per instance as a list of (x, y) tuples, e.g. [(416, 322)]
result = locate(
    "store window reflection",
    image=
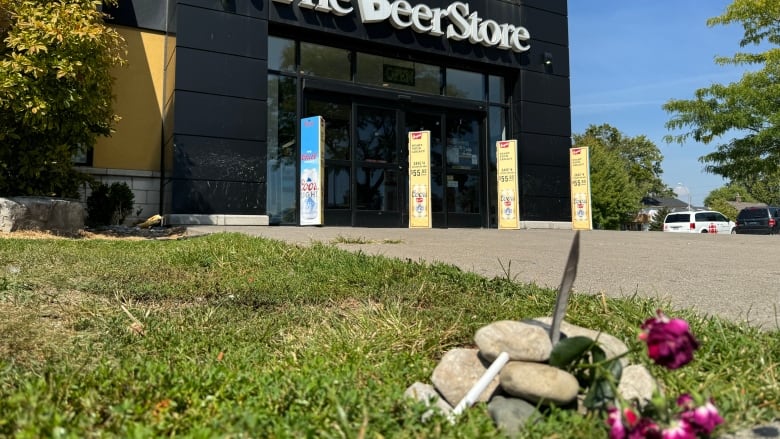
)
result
[(325, 61), (281, 168), (463, 193)]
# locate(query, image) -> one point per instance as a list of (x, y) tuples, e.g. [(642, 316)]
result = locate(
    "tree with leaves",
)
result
[(614, 200), (55, 91), (641, 157), (719, 199), (747, 109), (657, 221), (623, 170)]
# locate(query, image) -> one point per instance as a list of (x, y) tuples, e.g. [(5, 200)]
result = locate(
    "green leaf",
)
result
[(599, 394), (569, 350)]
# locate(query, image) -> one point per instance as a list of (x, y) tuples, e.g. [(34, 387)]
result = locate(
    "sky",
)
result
[(629, 57)]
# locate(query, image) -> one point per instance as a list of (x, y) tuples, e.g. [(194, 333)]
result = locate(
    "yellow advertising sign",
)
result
[(419, 179), (506, 168), (579, 168)]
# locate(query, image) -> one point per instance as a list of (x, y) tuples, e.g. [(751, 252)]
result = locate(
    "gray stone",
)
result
[(611, 345), (770, 430), (511, 414), (523, 342), (536, 382), (457, 372), (40, 213), (428, 395), (636, 383)]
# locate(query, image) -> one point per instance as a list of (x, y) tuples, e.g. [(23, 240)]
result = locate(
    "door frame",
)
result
[(402, 104)]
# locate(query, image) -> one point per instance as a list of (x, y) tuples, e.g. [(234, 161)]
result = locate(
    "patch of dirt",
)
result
[(109, 232)]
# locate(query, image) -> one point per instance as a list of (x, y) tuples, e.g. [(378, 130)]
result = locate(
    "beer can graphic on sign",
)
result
[(508, 204), (420, 198), (579, 205), (309, 193)]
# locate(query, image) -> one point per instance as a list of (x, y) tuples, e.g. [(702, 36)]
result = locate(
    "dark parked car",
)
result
[(759, 220)]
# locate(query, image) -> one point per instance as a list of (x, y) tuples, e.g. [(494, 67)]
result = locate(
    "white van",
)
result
[(700, 221)]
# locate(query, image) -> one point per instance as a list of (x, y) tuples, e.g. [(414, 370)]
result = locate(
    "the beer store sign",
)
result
[(456, 22)]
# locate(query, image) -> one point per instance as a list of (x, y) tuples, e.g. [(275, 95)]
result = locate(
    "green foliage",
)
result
[(614, 200), (55, 91), (718, 199), (587, 361), (641, 157), (742, 117), (248, 337), (623, 170), (108, 205), (657, 223)]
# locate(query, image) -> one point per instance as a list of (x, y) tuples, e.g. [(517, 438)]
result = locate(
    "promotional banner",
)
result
[(506, 167), (579, 167), (419, 179), (312, 146)]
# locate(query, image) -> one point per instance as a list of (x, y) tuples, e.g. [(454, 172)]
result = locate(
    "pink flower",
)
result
[(645, 429), (669, 341), (702, 419), (679, 430), (615, 422), (634, 426)]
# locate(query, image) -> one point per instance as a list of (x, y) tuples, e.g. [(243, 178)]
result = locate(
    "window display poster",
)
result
[(579, 167), (506, 168), (312, 145), (419, 179)]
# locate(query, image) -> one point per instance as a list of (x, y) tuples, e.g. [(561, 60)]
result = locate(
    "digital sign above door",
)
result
[(461, 24)]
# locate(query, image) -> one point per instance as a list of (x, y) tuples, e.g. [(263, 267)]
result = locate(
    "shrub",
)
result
[(657, 223), (108, 205)]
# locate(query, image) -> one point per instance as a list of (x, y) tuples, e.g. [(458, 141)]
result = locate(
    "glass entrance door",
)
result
[(380, 176), (366, 162)]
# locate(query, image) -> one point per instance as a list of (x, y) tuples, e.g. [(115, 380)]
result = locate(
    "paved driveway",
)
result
[(733, 276)]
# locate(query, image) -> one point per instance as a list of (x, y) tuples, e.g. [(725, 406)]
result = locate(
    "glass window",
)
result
[(328, 62), (376, 135), (463, 142), (497, 132), (282, 188), (396, 73), (463, 193), (337, 187), (337, 126), (467, 85), (496, 88), (376, 189), (281, 54)]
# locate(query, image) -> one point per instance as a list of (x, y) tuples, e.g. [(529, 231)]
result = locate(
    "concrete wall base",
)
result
[(215, 220), (556, 225)]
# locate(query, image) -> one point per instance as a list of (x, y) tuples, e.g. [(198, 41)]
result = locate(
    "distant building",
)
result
[(650, 207)]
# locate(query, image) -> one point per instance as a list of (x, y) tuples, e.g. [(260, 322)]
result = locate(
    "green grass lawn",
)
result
[(248, 337)]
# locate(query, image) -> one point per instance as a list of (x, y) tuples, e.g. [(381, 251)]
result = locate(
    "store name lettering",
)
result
[(463, 24)]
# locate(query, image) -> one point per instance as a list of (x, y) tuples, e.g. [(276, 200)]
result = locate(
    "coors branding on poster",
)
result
[(462, 23)]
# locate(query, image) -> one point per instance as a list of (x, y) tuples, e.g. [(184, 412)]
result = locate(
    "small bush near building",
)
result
[(657, 223), (109, 205)]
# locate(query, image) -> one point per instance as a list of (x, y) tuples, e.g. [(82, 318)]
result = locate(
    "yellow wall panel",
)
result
[(139, 98)]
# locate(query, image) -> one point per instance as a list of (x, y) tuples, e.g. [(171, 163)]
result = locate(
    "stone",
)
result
[(40, 213), (511, 414), (428, 395), (457, 372), (636, 383), (611, 345), (523, 342), (538, 383)]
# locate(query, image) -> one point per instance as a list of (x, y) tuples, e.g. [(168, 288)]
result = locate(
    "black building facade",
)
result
[(240, 74)]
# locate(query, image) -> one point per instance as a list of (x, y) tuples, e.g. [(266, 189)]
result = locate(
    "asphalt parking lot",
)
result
[(733, 276)]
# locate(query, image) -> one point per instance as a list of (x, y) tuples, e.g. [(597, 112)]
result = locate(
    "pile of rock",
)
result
[(42, 214), (526, 383)]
